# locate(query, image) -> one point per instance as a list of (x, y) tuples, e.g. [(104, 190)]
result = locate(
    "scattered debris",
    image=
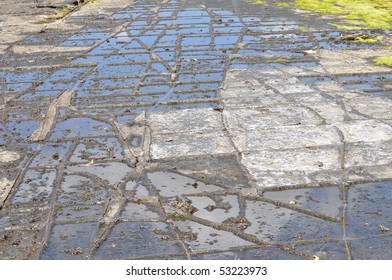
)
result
[(240, 222), (185, 206), (89, 163), (56, 156), (384, 228), (357, 38), (75, 251), (219, 108)]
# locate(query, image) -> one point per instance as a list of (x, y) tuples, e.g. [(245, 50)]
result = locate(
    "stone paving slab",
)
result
[(191, 130)]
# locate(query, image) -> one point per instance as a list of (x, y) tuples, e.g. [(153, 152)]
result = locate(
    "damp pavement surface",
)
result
[(192, 130)]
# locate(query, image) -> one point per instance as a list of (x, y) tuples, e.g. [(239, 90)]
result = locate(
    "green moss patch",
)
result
[(367, 39), (278, 60), (383, 61), (258, 2), (371, 13)]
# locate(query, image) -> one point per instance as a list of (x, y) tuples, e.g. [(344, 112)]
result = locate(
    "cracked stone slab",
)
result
[(326, 201), (206, 208), (201, 238), (369, 212), (244, 79), (78, 213), (324, 250), (97, 149), (87, 127), (255, 97), (170, 184), (363, 154), (220, 170), (371, 248), (51, 155), (269, 253), (89, 181), (111, 172), (22, 244), (137, 211), (69, 241), (36, 187), (278, 224), (138, 239), (23, 217), (50, 117), (294, 167), (81, 190)]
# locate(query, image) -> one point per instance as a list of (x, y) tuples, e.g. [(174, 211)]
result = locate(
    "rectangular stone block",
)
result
[(254, 102), (294, 167), (284, 137), (365, 131), (369, 173), (169, 146), (256, 91), (284, 115), (374, 154), (185, 120), (258, 96), (330, 111), (375, 107), (292, 88), (328, 86), (248, 78), (303, 71)]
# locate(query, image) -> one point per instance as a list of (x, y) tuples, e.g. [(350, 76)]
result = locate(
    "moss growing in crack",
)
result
[(346, 27), (367, 39), (383, 61), (258, 2), (65, 11), (284, 4), (371, 13), (278, 60)]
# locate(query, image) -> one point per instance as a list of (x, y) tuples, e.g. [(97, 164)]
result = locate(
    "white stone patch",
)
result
[(8, 156), (365, 131), (185, 120)]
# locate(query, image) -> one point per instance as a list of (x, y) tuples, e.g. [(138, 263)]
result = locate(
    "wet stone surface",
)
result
[(138, 240), (193, 130)]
